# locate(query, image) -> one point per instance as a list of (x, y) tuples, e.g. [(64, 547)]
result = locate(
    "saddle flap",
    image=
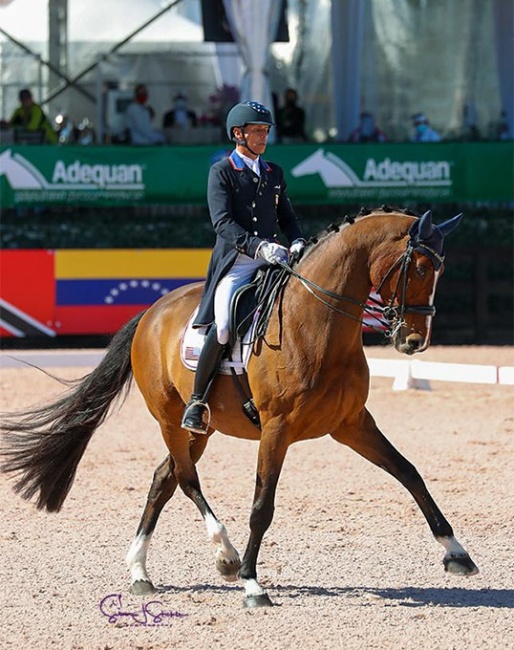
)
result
[(252, 299)]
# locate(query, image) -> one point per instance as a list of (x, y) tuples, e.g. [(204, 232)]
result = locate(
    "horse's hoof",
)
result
[(228, 569), (460, 566), (142, 588), (262, 600)]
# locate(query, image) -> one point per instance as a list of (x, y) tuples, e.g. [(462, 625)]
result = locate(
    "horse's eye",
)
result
[(421, 270)]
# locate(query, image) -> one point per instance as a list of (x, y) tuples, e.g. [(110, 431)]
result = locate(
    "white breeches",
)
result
[(241, 273)]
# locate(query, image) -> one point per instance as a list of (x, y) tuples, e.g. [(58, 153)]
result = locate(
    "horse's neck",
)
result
[(341, 264)]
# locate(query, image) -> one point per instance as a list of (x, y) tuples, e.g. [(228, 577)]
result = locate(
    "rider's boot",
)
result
[(208, 363)]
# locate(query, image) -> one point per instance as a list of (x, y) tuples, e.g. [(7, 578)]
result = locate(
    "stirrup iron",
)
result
[(199, 428)]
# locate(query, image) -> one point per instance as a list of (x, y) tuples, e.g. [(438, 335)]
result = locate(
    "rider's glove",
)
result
[(296, 248), (272, 253)]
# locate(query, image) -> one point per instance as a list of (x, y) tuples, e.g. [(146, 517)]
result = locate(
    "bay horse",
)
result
[(308, 375)]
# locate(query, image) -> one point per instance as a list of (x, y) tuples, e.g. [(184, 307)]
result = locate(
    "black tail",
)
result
[(43, 446)]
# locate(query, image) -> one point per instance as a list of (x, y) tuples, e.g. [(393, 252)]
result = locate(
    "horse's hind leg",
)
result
[(227, 558), (162, 489), (368, 441)]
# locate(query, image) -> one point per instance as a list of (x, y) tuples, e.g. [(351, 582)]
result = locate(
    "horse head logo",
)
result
[(333, 171), (20, 173)]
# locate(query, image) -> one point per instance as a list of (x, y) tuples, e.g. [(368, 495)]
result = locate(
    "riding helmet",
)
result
[(248, 113)]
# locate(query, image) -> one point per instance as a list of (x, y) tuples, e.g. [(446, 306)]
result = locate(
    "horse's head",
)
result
[(406, 281)]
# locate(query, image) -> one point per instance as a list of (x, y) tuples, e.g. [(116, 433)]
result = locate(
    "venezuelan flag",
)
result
[(97, 291)]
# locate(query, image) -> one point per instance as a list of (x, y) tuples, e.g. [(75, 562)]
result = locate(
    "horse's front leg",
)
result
[(368, 441), (272, 452)]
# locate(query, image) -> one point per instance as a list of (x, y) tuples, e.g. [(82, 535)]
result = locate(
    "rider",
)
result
[(248, 204)]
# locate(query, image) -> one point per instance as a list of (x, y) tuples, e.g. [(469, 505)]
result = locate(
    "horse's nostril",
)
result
[(414, 341)]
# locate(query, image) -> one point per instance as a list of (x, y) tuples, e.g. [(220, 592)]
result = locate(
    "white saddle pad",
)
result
[(192, 344)]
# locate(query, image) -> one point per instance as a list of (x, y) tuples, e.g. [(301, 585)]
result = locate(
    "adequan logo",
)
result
[(24, 177), (341, 180)]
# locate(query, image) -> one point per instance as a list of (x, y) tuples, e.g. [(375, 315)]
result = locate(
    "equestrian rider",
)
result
[(248, 205)]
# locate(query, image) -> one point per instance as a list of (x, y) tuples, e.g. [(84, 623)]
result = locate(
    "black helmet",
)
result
[(248, 113)]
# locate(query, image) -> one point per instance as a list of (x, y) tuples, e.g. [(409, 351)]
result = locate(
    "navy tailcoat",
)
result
[(245, 210)]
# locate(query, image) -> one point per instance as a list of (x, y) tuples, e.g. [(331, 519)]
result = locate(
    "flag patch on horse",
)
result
[(192, 344)]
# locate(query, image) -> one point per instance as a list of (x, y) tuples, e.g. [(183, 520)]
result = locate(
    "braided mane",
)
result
[(348, 220)]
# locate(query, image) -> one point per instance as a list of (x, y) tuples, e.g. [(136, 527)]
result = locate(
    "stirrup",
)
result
[(196, 423)]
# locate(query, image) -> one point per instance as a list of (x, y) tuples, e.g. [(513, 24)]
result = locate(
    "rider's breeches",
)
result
[(241, 273)]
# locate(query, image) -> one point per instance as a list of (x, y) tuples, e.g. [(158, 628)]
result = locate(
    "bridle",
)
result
[(392, 314)]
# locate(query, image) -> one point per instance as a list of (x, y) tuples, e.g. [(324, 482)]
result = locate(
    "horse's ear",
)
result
[(447, 226), (425, 227)]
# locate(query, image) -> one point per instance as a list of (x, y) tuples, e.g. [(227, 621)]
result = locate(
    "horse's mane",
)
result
[(349, 220)]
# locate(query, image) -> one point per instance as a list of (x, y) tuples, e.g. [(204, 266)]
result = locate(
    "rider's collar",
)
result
[(238, 162)]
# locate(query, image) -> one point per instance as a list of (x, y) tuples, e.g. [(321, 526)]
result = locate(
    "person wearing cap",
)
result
[(248, 206), (423, 132), (29, 116)]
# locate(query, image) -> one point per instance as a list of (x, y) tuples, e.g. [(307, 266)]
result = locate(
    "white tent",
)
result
[(388, 57)]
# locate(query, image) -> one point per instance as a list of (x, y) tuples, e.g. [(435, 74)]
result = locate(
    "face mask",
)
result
[(421, 128), (367, 126), (141, 98), (180, 104)]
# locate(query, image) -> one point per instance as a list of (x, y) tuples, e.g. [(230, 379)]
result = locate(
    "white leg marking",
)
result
[(452, 546), (253, 588), (218, 535), (136, 558)]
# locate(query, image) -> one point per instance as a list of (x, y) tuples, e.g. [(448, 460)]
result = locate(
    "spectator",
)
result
[(367, 131), (502, 131), (138, 119), (29, 118), (181, 116), (423, 132), (291, 120)]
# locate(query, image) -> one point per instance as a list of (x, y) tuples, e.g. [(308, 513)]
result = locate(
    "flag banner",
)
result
[(68, 292)]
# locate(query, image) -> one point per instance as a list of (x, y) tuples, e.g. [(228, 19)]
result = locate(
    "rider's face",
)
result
[(256, 136)]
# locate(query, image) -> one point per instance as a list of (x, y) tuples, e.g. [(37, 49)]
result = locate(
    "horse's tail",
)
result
[(42, 447)]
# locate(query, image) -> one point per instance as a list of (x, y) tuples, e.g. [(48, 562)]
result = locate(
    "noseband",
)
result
[(393, 314)]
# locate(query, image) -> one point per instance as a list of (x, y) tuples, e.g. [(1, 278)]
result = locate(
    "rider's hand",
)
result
[(296, 248), (272, 253)]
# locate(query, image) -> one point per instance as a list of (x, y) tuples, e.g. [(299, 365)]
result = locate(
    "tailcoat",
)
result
[(245, 209)]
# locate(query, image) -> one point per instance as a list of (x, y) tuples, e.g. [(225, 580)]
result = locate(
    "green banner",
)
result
[(325, 173)]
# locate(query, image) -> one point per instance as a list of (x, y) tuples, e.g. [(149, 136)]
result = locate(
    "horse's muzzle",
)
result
[(411, 344)]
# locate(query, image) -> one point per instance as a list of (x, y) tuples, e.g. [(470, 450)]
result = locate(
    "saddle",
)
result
[(250, 312)]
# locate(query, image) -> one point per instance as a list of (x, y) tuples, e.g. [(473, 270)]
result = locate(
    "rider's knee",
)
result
[(223, 334)]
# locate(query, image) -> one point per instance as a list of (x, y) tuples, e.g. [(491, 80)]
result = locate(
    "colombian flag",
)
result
[(98, 291)]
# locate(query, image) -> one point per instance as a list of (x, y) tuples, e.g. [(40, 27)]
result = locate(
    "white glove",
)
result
[(297, 247), (272, 253)]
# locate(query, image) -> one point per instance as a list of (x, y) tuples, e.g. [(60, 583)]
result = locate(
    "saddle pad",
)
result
[(192, 344)]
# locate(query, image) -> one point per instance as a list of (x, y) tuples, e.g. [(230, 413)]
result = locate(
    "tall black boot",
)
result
[(208, 363)]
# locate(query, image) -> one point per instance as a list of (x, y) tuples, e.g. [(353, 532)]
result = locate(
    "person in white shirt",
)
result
[(138, 120)]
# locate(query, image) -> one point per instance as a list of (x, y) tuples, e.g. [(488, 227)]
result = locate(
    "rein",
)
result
[(393, 316)]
